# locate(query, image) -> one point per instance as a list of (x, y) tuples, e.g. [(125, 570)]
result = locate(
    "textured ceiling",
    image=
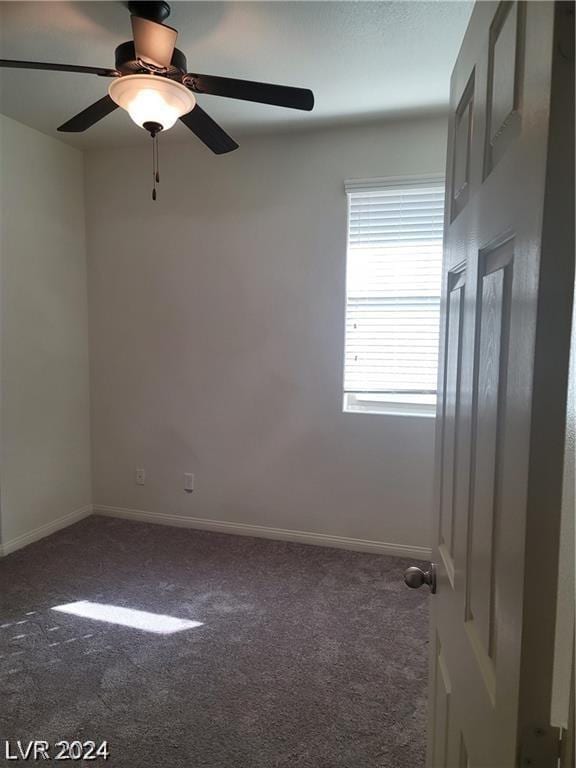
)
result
[(363, 60)]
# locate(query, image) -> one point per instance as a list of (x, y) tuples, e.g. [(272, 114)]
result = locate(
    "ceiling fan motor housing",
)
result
[(128, 64)]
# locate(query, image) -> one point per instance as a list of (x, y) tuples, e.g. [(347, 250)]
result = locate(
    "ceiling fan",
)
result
[(151, 82)]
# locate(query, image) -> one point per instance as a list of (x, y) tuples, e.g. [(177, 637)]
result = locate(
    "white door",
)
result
[(507, 293)]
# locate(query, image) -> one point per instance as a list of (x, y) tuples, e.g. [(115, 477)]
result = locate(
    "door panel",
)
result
[(462, 148), (463, 761), (451, 407), (489, 403), (505, 66), (442, 707), (503, 354)]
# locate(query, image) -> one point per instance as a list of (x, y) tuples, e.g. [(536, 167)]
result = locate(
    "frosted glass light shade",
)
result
[(152, 99)]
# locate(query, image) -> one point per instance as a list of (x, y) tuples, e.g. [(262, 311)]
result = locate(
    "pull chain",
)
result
[(157, 176), (154, 129), (155, 165)]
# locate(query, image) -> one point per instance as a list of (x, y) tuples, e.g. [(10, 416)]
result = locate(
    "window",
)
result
[(393, 295)]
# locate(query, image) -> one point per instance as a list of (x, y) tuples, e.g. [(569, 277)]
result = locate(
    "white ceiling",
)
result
[(363, 60)]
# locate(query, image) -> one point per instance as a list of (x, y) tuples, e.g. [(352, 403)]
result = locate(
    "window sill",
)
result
[(391, 412), (386, 407)]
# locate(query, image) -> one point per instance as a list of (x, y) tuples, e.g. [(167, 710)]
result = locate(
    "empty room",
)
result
[(287, 384)]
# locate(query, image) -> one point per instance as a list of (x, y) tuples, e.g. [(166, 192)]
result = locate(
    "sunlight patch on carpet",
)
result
[(128, 617)]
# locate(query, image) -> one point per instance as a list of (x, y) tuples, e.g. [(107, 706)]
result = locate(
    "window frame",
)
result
[(384, 405)]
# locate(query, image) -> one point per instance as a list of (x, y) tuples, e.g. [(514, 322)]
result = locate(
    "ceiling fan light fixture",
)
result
[(152, 99)]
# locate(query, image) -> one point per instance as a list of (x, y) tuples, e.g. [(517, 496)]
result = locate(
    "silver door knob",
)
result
[(415, 577)]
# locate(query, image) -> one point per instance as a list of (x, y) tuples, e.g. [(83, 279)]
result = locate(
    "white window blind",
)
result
[(393, 294)]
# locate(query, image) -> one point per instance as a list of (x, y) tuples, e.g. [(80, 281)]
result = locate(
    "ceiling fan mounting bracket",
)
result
[(150, 9), (128, 64)]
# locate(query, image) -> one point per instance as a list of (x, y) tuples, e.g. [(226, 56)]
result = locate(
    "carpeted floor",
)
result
[(306, 657)]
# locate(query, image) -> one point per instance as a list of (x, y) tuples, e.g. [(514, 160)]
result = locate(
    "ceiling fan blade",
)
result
[(263, 93), (90, 115), (208, 131), (154, 43), (58, 67)]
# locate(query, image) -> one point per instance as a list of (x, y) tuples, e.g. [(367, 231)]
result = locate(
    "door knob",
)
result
[(415, 577)]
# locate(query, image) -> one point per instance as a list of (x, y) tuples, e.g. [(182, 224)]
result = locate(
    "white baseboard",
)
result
[(262, 531), (45, 530)]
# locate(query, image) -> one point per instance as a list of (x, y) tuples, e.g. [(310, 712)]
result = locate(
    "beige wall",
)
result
[(44, 401), (217, 322)]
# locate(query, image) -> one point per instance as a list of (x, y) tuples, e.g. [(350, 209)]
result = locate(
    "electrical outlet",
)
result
[(188, 482), (140, 476)]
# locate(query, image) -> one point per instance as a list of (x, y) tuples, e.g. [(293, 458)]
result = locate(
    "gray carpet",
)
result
[(306, 658)]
